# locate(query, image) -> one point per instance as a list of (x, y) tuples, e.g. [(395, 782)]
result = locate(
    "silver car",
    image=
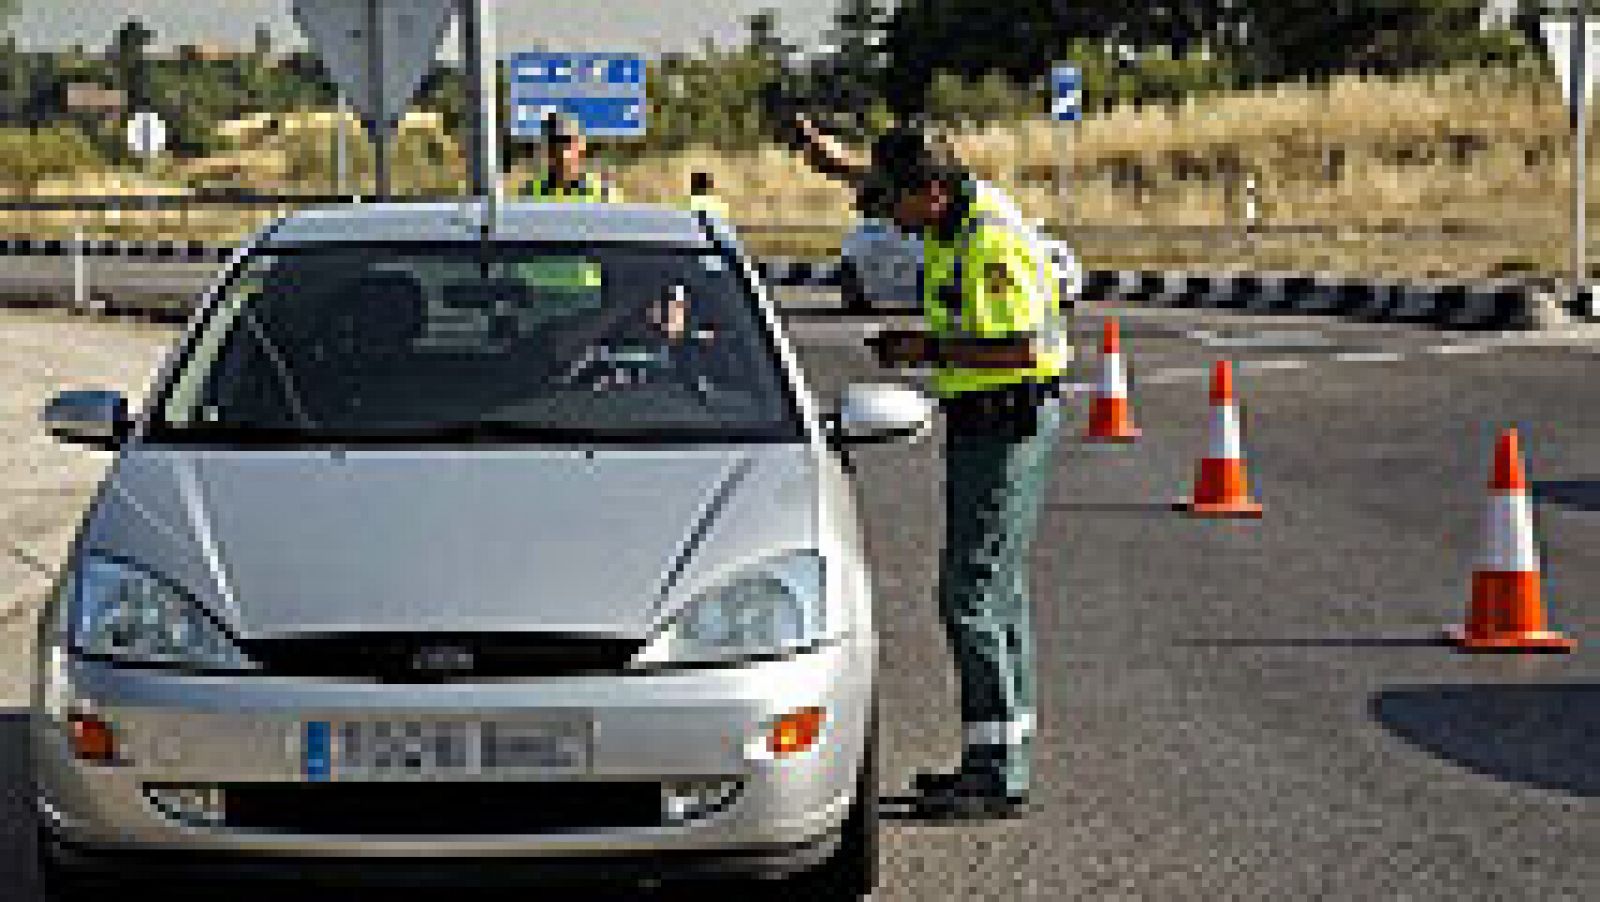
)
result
[(442, 546)]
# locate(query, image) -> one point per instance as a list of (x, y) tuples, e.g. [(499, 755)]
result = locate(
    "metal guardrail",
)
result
[(135, 202), (112, 247)]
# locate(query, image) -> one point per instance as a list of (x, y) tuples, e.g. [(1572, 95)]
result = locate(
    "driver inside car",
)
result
[(667, 349)]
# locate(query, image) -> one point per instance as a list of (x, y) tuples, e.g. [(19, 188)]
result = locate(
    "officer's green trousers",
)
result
[(993, 488)]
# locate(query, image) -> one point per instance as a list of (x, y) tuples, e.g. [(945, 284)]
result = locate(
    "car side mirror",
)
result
[(881, 413), (96, 418)]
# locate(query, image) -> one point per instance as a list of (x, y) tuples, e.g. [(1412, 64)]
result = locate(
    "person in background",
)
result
[(703, 198), (566, 177)]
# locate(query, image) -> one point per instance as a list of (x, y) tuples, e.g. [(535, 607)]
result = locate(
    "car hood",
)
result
[(282, 542)]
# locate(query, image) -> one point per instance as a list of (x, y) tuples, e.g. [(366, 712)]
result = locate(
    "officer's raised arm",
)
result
[(827, 154)]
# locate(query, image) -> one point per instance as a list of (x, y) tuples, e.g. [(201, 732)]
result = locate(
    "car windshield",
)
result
[(481, 342)]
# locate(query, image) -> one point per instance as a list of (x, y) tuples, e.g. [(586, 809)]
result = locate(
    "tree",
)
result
[(854, 76), (762, 39), (970, 38), (1315, 38), (16, 83), (261, 46), (130, 62)]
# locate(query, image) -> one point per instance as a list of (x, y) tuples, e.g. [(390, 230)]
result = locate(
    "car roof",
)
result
[(515, 221)]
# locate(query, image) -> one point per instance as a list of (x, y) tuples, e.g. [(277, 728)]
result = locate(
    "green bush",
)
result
[(28, 156)]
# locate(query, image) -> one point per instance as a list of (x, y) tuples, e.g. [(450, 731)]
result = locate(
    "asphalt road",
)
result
[(1251, 710)]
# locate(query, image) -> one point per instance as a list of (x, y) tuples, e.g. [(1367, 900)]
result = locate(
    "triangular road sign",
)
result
[(1558, 43), (379, 77)]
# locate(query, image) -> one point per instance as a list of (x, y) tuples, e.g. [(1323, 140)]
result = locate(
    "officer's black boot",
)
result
[(966, 794)]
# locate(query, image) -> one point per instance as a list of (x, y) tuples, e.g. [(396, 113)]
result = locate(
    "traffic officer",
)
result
[(565, 178), (998, 352), (702, 196)]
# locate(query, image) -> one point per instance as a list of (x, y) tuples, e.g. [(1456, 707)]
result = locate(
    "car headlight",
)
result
[(776, 606), (123, 613)]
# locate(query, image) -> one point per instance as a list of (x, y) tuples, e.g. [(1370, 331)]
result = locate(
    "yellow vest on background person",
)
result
[(991, 279), (709, 203), (587, 189)]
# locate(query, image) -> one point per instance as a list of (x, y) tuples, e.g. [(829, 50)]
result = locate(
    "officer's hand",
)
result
[(899, 348)]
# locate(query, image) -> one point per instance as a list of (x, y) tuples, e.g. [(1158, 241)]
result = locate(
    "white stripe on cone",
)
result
[(1113, 381), (1508, 545), (1225, 444)]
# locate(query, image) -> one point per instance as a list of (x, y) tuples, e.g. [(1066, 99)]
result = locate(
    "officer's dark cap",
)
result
[(904, 159)]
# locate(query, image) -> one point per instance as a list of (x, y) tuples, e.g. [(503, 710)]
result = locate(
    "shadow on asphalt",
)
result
[(1113, 507), (1583, 494), (1542, 735), (1322, 642)]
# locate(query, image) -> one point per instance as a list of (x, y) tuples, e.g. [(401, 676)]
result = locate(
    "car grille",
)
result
[(444, 808), (439, 657)]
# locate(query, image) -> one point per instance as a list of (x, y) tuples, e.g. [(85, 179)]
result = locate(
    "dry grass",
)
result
[(1473, 147), (1478, 146)]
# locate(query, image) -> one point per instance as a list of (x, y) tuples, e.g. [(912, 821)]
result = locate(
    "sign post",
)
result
[(1066, 107), (341, 147), (1571, 45), (478, 61), (147, 137), (377, 52)]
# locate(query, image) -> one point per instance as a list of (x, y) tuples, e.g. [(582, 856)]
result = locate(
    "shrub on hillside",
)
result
[(28, 156)]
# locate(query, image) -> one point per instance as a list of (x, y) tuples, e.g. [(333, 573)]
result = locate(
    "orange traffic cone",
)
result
[(1110, 419), (1506, 612), (1221, 488)]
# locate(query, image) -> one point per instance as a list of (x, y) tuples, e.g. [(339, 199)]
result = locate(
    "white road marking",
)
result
[(1274, 364), (1369, 357), (1175, 374), (1269, 338)]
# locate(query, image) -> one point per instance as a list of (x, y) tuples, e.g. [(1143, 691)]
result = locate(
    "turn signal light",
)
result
[(92, 739), (795, 732)]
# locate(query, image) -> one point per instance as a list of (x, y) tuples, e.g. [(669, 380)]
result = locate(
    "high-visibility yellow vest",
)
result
[(709, 203), (588, 189), (1002, 282)]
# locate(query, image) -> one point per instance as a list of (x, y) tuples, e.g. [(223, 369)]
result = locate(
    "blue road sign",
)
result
[(605, 92), (1066, 84)]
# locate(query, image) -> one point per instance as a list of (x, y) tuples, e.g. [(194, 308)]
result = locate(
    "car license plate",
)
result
[(445, 749)]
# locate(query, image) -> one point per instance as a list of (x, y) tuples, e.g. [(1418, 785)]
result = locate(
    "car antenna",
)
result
[(486, 224)]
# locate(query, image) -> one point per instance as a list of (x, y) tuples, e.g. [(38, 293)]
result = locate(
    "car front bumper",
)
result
[(700, 725)]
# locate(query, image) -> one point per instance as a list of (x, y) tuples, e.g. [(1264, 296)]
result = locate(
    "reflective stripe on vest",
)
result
[(590, 190)]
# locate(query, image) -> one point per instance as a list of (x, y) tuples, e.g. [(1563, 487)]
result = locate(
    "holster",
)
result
[(1010, 412)]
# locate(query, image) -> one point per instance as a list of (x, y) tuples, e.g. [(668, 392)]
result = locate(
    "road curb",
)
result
[(1495, 304)]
